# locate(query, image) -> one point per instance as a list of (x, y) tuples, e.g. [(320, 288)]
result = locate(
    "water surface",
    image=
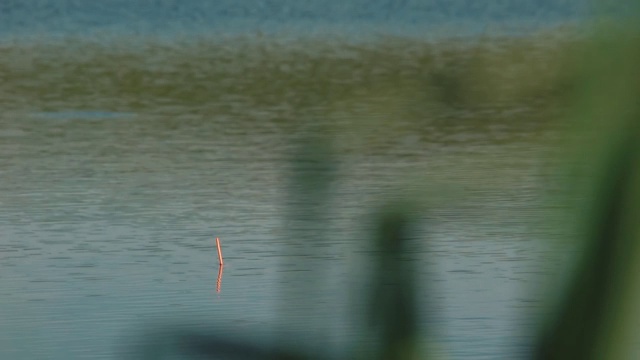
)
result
[(121, 164)]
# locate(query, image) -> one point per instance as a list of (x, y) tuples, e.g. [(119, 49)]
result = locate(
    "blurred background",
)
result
[(132, 133)]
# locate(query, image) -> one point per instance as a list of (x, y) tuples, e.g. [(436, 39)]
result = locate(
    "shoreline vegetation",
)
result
[(412, 79)]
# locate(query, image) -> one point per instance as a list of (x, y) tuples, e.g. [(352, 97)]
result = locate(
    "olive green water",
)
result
[(120, 165)]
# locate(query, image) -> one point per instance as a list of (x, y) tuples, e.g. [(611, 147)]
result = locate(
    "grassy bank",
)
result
[(390, 75)]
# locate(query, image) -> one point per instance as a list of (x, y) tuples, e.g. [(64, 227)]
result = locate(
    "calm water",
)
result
[(109, 223), (120, 167)]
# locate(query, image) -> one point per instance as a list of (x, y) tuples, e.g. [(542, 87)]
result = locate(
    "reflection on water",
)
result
[(219, 279), (107, 224)]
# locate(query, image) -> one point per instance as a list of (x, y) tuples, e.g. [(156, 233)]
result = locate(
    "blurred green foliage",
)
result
[(598, 316)]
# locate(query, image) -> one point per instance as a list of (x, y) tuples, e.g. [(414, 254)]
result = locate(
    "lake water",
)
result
[(110, 222), (121, 164)]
